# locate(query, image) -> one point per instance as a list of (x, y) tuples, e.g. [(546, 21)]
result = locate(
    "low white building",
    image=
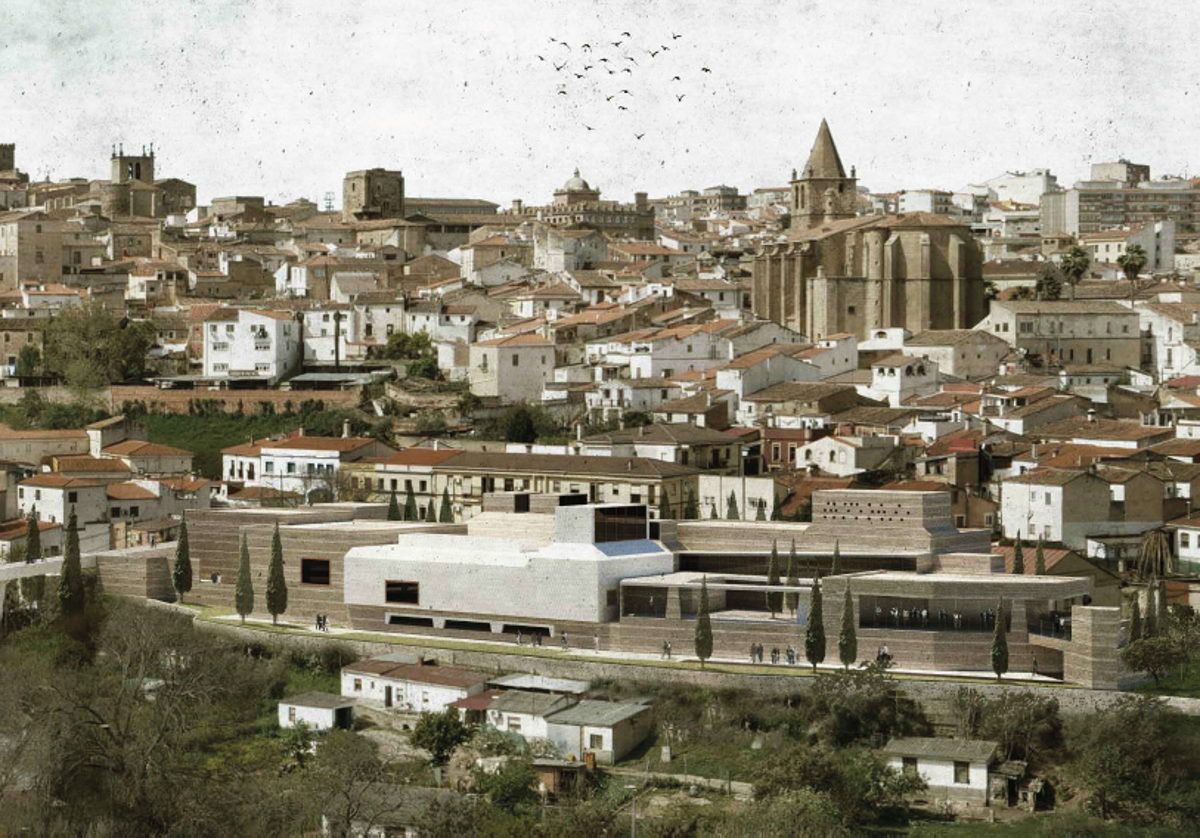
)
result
[(304, 465), (898, 378), (518, 583), (607, 729), (518, 711), (411, 687), (317, 711), (953, 768), (844, 456)]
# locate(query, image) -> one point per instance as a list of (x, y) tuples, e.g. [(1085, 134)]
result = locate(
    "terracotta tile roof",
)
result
[(415, 457), (522, 339), (566, 464), (243, 450), (319, 443), (86, 463), (140, 448), (1083, 428), (129, 491), (59, 481), (445, 676), (19, 527)]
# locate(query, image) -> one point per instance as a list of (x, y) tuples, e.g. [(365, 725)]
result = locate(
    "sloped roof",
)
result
[(823, 160), (969, 750)]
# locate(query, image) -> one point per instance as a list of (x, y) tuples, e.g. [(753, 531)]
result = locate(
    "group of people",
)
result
[(535, 638), (322, 622), (919, 618), (758, 652)]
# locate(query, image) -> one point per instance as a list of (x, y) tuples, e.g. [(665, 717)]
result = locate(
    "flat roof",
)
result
[(523, 681), (968, 750), (598, 713), (326, 701)]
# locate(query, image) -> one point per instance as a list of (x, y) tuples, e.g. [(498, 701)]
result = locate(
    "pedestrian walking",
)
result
[(518, 637), (596, 641), (668, 650), (564, 640), (665, 653)]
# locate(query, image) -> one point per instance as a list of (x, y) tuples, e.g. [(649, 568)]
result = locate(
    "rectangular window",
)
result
[(1185, 540), (314, 571), (404, 593), (910, 766), (72, 497), (358, 685), (291, 714), (962, 773), (515, 360), (596, 742)]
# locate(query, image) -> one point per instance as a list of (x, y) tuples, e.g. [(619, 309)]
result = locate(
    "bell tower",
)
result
[(128, 167), (822, 192)]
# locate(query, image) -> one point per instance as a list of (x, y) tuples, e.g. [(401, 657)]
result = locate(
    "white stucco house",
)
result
[(953, 768), (246, 343), (513, 367), (317, 711), (412, 687)]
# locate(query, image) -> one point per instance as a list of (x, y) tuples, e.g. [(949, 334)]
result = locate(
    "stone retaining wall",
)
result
[(926, 691)]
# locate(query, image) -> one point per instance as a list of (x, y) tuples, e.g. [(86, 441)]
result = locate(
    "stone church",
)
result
[(841, 272)]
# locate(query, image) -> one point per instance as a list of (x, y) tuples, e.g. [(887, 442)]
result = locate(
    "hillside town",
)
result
[(706, 511)]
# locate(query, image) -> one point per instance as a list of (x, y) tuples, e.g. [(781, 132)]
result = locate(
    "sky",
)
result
[(281, 98)]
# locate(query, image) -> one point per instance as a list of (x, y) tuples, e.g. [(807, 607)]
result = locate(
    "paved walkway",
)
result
[(612, 655)]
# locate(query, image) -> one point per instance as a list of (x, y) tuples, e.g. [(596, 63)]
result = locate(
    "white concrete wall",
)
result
[(409, 696), (463, 574), (531, 726), (317, 718), (939, 774)]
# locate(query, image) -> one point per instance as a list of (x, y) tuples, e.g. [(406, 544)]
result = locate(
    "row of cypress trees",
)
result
[(277, 590), (409, 512)]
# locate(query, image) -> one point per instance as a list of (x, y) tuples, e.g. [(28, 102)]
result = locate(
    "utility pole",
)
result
[(337, 341)]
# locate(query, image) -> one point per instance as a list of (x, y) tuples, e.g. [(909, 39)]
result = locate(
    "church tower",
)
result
[(822, 192)]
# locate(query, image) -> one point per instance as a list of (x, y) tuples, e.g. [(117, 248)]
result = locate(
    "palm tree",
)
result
[(1154, 555), (1132, 261), (1074, 265)]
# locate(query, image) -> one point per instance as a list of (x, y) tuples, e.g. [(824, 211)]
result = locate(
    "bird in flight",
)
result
[(627, 70), (705, 70), (676, 79), (540, 58), (663, 48), (610, 98), (626, 91), (605, 60), (675, 37), (639, 136), (679, 98), (559, 67), (634, 60), (578, 75), (626, 35), (588, 47), (590, 128), (616, 43), (587, 67), (653, 52), (622, 108), (553, 40), (562, 93)]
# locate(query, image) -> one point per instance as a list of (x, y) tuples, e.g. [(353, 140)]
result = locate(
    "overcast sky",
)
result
[(281, 97)]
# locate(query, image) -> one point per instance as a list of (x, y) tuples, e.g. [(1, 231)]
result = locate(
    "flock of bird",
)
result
[(589, 73)]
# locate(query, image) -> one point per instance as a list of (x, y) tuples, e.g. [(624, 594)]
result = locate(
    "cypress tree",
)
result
[(33, 588), (664, 506), (1150, 622), (704, 636), (731, 511), (792, 598), (691, 512), (1000, 643), (837, 558), (447, 512), (71, 594), (1135, 621), (848, 640), (1018, 567), (1039, 558), (776, 512), (761, 514), (393, 513), (773, 597), (181, 576), (814, 632), (244, 590), (410, 505), (277, 592), (714, 516), (430, 511)]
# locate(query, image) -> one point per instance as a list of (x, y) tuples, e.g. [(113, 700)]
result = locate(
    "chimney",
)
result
[(517, 206), (1033, 451), (708, 400), (1091, 414), (642, 430), (300, 431), (629, 465), (579, 432), (437, 445), (345, 429)]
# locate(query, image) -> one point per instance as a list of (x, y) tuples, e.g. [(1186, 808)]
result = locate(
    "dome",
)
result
[(576, 183)]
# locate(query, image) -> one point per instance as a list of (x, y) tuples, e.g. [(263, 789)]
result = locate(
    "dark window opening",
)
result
[(622, 523), (403, 592), (469, 625), (314, 571), (402, 620), (962, 773)]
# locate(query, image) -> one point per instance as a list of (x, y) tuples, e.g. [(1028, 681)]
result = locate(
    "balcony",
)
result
[(262, 345), (220, 347)]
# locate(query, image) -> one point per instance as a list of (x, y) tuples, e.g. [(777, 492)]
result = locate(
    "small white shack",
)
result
[(956, 769), (518, 711), (317, 711), (415, 688), (607, 729)]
